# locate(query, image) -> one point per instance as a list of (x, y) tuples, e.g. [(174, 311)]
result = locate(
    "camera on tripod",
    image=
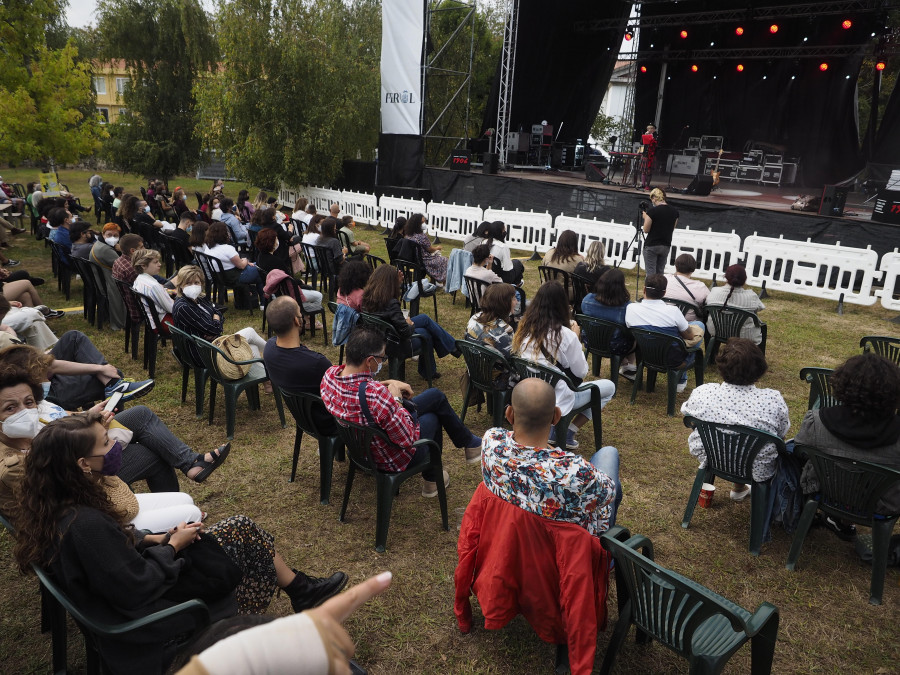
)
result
[(644, 206)]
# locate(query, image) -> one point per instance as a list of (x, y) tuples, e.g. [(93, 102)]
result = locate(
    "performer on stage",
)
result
[(649, 156)]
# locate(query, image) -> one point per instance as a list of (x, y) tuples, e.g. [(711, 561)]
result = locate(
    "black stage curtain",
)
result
[(401, 159), (886, 153), (787, 102), (563, 65)]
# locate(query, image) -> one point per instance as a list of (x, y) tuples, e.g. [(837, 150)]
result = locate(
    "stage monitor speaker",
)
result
[(491, 163), (700, 186), (833, 199), (594, 173)]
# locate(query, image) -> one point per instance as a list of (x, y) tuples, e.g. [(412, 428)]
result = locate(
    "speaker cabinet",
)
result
[(833, 200), (491, 163), (594, 173), (700, 186)]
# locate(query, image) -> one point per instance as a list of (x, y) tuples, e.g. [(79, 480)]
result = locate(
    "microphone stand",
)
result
[(677, 144)]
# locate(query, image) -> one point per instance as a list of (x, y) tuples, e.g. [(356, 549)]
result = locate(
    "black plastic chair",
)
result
[(583, 286), (181, 350), (728, 322), (597, 335), (688, 618), (731, 450), (133, 318), (886, 346), (555, 274), (483, 365), (525, 369), (358, 442), (657, 351), (820, 395), (180, 253), (374, 261), (154, 331), (302, 407), (396, 362), (415, 274), (475, 289), (684, 306), (213, 287), (850, 490), (88, 289), (292, 287), (102, 291), (327, 272), (62, 267)]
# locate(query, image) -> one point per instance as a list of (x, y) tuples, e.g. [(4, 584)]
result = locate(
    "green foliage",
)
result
[(46, 103), (166, 45), (297, 90)]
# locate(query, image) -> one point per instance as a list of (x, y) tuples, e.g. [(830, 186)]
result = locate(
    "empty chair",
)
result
[(888, 347), (820, 395), (483, 365), (308, 411)]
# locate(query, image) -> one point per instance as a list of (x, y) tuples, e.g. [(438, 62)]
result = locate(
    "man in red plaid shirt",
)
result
[(427, 415)]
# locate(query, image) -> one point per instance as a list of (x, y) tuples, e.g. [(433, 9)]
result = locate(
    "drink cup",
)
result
[(706, 495)]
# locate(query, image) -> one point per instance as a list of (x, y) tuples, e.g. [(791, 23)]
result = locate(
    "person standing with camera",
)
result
[(660, 221)]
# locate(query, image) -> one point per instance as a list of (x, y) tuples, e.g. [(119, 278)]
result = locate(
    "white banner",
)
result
[(402, 35)]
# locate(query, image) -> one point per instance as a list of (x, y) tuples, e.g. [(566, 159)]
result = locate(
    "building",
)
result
[(109, 80)]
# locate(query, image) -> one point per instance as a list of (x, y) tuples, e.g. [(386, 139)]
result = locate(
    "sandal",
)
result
[(219, 455)]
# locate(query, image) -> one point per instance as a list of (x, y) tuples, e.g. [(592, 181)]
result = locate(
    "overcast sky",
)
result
[(81, 13)]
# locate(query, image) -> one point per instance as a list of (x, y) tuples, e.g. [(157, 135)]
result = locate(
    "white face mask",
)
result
[(193, 291), (24, 424), (112, 194), (184, 198), (147, 209), (112, 241)]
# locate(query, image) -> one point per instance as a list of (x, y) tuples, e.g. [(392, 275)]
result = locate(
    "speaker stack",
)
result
[(700, 186)]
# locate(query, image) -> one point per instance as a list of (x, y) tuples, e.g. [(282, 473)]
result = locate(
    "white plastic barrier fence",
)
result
[(616, 238), (818, 270), (525, 230), (393, 207), (323, 198), (286, 197), (452, 221), (890, 294), (363, 207), (714, 251)]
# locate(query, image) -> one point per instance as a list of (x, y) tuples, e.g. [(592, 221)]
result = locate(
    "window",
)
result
[(100, 85), (121, 83), (104, 112)]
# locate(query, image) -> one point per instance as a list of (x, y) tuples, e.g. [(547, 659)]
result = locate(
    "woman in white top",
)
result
[(735, 294), (510, 271), (148, 263), (311, 236), (238, 270), (547, 335)]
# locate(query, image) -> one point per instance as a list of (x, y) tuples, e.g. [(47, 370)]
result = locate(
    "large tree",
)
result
[(166, 45), (47, 109), (297, 90)]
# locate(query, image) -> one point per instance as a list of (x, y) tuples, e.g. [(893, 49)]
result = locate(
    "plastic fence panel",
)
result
[(362, 206), (526, 230), (714, 251), (616, 238), (393, 207), (890, 294), (453, 221)]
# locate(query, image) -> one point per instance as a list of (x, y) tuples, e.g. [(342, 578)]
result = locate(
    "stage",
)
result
[(745, 208)]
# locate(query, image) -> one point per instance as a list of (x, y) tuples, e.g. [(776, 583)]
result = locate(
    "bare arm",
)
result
[(59, 367), (239, 262)]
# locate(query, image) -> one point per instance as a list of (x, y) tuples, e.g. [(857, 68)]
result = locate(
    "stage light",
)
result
[(683, 34), (740, 67), (739, 30), (846, 24), (880, 65), (694, 68), (629, 34), (823, 67), (773, 28), (643, 69)]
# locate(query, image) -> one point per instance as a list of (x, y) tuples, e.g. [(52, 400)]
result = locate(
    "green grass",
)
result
[(827, 625)]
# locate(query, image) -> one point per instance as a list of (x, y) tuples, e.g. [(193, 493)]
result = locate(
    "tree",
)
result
[(297, 91), (47, 109), (166, 45)]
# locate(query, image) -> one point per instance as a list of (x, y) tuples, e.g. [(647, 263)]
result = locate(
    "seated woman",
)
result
[(435, 263), (472, 241), (148, 263), (311, 237), (68, 524), (179, 202), (351, 283), (547, 335), (738, 400), (594, 264), (490, 326), (734, 294), (864, 426), (510, 270), (609, 301), (238, 270), (329, 239), (26, 324), (197, 240), (381, 297), (564, 256), (245, 209), (269, 253)]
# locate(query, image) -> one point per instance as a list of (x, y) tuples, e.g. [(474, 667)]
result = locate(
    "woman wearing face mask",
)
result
[(179, 202), (69, 525)]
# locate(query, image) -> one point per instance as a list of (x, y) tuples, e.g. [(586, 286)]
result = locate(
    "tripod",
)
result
[(639, 238)]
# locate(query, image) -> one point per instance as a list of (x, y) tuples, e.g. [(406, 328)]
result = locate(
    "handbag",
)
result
[(208, 573), (238, 349)]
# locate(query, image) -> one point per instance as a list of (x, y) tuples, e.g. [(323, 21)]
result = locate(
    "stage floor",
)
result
[(732, 193)]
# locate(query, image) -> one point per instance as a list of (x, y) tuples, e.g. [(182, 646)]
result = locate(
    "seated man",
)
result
[(653, 314), (59, 220), (291, 365), (357, 247), (482, 265), (386, 402), (682, 287), (520, 467)]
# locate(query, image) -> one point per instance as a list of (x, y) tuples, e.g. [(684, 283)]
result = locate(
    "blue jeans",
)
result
[(607, 391), (435, 417), (250, 275), (433, 339), (689, 361), (606, 460)]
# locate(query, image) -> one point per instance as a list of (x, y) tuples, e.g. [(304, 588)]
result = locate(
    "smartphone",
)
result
[(112, 402)]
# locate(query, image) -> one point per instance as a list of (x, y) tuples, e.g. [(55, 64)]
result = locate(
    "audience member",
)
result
[(352, 282), (482, 265), (300, 213), (237, 269), (26, 324), (491, 326), (104, 252), (197, 240), (82, 239), (245, 209), (185, 226), (329, 239), (435, 263), (735, 294), (59, 220), (594, 264), (510, 271), (478, 237), (357, 247), (239, 231), (148, 263), (564, 256), (682, 287)]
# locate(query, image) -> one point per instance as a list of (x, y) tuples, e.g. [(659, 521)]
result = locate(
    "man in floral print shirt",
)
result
[(520, 466)]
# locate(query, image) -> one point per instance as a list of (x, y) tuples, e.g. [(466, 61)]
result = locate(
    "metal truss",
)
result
[(761, 53), (507, 75)]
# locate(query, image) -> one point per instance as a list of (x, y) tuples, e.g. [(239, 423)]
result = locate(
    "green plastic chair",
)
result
[(233, 388), (728, 322), (525, 369), (820, 395), (691, 620), (684, 307), (483, 364), (654, 349), (850, 490), (358, 441), (181, 343), (549, 273), (730, 452), (883, 345), (302, 406), (396, 362), (597, 334)]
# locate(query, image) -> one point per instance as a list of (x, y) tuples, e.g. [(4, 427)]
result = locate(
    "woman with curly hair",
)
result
[(548, 335), (351, 283), (435, 263), (69, 525), (381, 297)]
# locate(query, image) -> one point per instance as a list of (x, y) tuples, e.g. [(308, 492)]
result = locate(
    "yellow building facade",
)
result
[(109, 81)]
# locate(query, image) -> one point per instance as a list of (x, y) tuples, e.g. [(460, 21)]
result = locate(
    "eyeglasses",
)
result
[(382, 357)]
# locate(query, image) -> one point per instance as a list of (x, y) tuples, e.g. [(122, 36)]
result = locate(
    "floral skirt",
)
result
[(253, 550)]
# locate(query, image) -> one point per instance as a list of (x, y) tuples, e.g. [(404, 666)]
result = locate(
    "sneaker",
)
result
[(628, 372), (129, 388), (571, 442), (54, 314), (681, 387), (741, 495), (308, 592), (429, 487), (473, 454), (845, 531), (13, 263), (17, 230)]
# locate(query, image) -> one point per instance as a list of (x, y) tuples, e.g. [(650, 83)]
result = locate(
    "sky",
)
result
[(81, 13)]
